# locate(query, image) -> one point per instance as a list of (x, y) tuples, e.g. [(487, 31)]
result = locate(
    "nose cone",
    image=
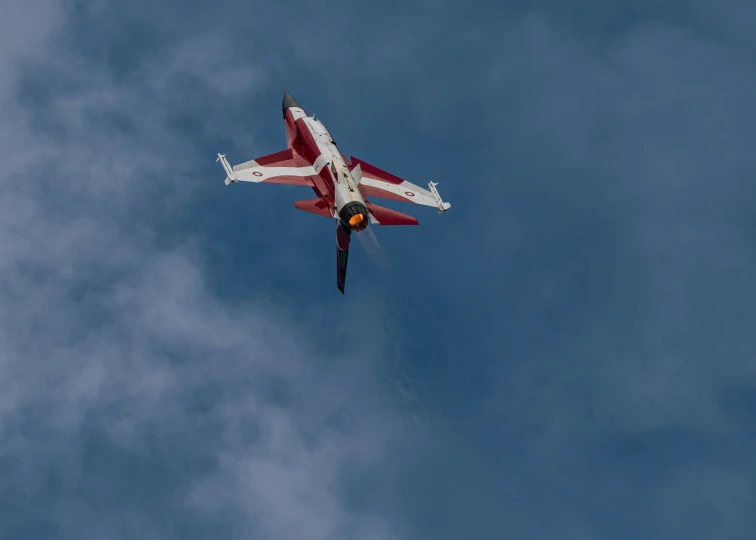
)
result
[(289, 101)]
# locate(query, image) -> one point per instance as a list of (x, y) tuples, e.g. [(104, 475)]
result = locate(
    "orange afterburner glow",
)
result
[(356, 220)]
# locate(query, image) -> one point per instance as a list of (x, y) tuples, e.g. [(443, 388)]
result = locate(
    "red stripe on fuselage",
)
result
[(309, 146), (310, 151), (291, 128)]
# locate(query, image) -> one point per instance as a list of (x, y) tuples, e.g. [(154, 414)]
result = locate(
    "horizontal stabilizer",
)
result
[(386, 216), (314, 206)]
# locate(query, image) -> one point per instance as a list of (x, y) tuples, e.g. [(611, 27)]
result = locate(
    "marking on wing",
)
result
[(278, 175), (378, 188)]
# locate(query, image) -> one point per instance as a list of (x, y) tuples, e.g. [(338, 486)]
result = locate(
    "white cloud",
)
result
[(106, 335)]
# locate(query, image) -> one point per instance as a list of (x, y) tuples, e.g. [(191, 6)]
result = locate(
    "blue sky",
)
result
[(568, 353)]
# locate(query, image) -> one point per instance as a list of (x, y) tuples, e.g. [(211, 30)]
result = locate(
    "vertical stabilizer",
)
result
[(343, 237)]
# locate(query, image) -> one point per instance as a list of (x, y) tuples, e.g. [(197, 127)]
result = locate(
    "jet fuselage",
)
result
[(308, 137), (345, 188)]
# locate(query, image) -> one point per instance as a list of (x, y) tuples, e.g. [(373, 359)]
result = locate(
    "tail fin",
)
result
[(343, 236)]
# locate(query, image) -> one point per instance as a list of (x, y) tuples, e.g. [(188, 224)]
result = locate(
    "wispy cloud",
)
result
[(579, 326), (625, 336), (116, 359)]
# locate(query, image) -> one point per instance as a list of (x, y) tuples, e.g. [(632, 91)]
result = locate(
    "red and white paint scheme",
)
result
[(344, 187)]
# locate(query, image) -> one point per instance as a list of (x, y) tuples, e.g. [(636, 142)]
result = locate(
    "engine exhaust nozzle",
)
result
[(355, 216)]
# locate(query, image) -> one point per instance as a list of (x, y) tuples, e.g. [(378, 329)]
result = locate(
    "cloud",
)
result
[(581, 370), (134, 403), (619, 307), (650, 134), (588, 371)]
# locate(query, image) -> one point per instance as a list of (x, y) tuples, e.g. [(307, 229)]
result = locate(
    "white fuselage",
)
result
[(345, 188)]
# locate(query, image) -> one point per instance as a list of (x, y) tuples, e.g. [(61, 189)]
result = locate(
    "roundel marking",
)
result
[(409, 194), (257, 173)]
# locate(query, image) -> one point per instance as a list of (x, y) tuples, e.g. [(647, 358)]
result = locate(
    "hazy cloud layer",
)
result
[(134, 404), (615, 380), (567, 354)]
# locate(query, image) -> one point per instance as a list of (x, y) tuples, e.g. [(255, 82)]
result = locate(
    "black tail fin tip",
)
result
[(343, 236)]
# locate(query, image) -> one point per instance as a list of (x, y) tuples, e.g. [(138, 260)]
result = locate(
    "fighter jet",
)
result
[(344, 187)]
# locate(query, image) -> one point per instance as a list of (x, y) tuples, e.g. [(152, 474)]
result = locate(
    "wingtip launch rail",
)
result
[(230, 176), (442, 206)]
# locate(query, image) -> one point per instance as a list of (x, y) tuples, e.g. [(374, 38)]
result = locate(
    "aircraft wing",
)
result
[(280, 168), (376, 183)]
